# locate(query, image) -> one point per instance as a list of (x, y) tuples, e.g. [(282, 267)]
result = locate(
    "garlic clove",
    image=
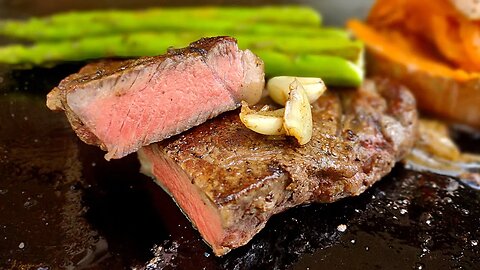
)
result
[(278, 88), (263, 122), (298, 114), (314, 88)]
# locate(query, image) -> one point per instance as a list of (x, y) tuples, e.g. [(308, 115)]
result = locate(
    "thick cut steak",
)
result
[(123, 105), (229, 180)]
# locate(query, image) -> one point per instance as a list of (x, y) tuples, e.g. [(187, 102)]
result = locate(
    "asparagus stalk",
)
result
[(148, 44), (285, 20), (344, 48), (334, 70)]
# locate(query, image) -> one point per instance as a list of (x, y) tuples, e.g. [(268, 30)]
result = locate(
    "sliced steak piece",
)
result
[(229, 180), (123, 105)]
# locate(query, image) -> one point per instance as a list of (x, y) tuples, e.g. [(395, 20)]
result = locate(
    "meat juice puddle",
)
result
[(71, 208)]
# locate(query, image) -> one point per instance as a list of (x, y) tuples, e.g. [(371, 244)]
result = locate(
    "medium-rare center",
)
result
[(123, 105)]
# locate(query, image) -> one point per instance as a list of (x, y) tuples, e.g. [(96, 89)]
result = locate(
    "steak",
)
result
[(123, 105), (229, 180)]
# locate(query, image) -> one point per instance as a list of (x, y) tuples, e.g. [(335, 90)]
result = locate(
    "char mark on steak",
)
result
[(229, 180), (123, 105)]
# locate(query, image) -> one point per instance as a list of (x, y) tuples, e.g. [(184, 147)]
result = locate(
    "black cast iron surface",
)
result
[(62, 206)]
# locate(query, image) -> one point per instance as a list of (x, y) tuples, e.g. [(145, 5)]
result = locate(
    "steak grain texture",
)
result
[(123, 105), (229, 180)]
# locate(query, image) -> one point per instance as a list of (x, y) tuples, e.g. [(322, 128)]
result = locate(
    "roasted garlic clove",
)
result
[(278, 88), (298, 114), (263, 121)]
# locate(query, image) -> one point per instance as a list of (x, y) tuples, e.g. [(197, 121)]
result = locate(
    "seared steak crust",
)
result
[(357, 138)]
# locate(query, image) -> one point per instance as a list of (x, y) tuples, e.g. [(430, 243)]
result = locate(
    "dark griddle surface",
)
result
[(63, 205)]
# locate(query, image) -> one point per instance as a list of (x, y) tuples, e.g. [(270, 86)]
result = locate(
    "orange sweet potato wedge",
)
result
[(440, 88)]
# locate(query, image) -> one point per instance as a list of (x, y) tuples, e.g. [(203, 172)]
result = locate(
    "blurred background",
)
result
[(339, 10)]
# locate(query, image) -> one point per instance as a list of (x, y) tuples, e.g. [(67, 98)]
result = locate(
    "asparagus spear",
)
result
[(344, 48), (286, 20), (333, 69), (145, 44)]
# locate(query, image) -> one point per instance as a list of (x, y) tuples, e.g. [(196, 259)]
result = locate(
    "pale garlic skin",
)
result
[(278, 88), (296, 94), (298, 114), (263, 122)]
